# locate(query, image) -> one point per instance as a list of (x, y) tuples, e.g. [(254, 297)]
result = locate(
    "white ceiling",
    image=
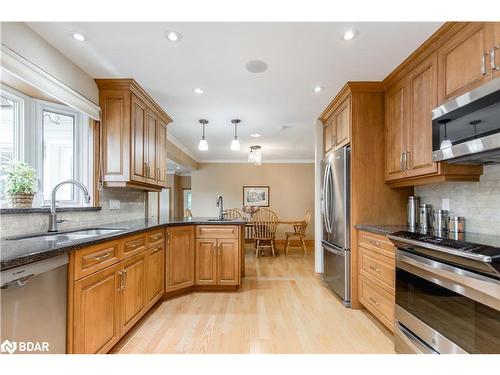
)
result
[(213, 55)]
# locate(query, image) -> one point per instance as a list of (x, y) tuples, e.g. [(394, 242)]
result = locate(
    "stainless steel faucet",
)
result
[(53, 221), (220, 204)]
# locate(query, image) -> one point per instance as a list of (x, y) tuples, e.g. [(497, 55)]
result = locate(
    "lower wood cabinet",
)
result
[(217, 261), (96, 318), (132, 288), (179, 271), (155, 271)]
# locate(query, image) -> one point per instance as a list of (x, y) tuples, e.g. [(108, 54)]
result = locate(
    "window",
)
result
[(187, 199), (11, 123), (57, 141)]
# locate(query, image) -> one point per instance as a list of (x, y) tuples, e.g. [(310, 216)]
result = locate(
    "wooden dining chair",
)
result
[(299, 232), (188, 213), (265, 223), (233, 213)]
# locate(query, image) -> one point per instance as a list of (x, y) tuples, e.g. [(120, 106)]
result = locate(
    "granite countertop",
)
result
[(17, 252), (381, 229)]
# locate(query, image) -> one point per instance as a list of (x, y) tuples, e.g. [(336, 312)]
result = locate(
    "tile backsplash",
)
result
[(132, 206), (478, 202)]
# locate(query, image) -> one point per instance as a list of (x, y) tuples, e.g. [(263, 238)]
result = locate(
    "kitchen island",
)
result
[(117, 274)]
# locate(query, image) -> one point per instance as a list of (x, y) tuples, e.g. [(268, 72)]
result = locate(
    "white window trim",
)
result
[(29, 140)]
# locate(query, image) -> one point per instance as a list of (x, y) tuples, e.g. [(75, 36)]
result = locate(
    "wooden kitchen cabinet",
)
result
[(463, 60), (134, 136), (180, 255), (228, 261), (496, 49), (337, 126), (328, 135), (155, 274), (96, 312), (132, 277), (206, 262)]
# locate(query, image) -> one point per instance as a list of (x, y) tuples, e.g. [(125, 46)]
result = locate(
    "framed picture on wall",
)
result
[(256, 196)]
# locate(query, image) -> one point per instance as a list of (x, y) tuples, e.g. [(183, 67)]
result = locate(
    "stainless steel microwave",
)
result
[(466, 130)]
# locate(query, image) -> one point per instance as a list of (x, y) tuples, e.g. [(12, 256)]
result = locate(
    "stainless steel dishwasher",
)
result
[(33, 301)]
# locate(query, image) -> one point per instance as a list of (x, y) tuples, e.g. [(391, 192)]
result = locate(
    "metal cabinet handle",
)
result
[(158, 171), (120, 287), (375, 269), (374, 301), (376, 243), (145, 169), (124, 278), (483, 63), (102, 256), (401, 165), (493, 63), (155, 250), (407, 160)]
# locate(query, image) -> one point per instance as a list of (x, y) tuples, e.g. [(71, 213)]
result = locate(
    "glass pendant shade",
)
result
[(203, 145), (235, 145), (255, 155)]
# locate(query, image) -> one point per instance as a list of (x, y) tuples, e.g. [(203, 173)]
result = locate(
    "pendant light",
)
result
[(255, 155), (203, 145), (235, 144)]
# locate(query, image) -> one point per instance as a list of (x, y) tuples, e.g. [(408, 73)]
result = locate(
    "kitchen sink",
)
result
[(69, 236)]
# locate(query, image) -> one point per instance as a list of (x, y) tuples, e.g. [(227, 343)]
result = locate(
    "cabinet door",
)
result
[(496, 46), (161, 153), (328, 134), (422, 83), (343, 124), (461, 65), (133, 291), (206, 265), (150, 146), (395, 130), (138, 153), (228, 261), (179, 258), (96, 312), (155, 268)]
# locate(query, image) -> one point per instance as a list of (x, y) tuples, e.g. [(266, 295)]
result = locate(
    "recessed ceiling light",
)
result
[(256, 66), (318, 88), (350, 34), (198, 90), (78, 36), (178, 167), (284, 127), (255, 135), (173, 36)]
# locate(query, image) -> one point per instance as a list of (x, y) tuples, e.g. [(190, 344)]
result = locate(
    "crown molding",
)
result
[(271, 161), (172, 139)]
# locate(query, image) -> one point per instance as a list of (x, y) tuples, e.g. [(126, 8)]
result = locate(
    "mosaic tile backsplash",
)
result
[(132, 206), (478, 202)]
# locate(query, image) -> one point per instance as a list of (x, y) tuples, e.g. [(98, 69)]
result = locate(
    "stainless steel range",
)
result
[(447, 293)]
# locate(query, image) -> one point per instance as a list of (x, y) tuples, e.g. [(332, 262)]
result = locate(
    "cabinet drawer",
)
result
[(377, 301), (216, 231), (94, 258), (134, 244), (377, 243), (156, 236), (379, 268)]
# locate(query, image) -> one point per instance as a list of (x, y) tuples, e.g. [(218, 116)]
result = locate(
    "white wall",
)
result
[(291, 188), (18, 37)]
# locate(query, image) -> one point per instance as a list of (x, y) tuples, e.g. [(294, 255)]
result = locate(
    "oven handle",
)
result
[(475, 286), (412, 341)]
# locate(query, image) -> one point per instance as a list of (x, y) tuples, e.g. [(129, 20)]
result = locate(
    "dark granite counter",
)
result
[(16, 252), (381, 229)]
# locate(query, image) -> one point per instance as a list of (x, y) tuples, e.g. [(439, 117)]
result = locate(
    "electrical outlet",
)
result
[(445, 204), (114, 204)]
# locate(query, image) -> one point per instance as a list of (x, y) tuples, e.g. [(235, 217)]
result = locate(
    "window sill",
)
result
[(44, 210)]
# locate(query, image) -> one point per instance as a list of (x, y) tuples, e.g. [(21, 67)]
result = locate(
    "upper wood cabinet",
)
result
[(134, 136), (337, 123), (179, 270), (495, 58), (464, 60)]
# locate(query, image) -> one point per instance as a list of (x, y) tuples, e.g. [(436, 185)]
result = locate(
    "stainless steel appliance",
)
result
[(440, 220), (456, 224), (336, 222), (466, 129), (447, 294), (34, 299), (425, 216)]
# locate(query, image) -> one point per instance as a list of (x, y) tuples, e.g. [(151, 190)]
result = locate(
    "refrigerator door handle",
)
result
[(326, 198)]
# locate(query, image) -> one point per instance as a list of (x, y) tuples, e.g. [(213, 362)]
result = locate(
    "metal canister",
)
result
[(412, 211), (456, 224), (440, 220), (425, 216)]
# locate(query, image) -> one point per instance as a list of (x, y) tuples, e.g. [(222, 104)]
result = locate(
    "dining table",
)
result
[(249, 226)]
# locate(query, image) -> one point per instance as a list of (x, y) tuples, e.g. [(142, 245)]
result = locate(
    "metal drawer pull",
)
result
[(494, 65), (375, 269), (483, 63), (124, 278), (102, 256), (155, 250), (374, 301), (120, 275), (376, 243)]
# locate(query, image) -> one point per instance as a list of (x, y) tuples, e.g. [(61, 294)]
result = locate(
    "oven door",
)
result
[(444, 309)]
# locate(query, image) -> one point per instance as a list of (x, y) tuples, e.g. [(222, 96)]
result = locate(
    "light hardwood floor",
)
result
[(281, 307)]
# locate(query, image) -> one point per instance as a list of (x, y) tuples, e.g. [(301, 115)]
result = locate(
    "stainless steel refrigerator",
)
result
[(335, 203)]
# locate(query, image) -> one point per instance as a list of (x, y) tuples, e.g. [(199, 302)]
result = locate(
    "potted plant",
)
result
[(20, 185)]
